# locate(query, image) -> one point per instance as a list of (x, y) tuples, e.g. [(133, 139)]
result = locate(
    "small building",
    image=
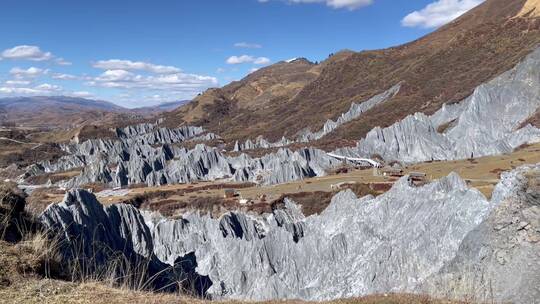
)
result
[(417, 178), (392, 172), (417, 175)]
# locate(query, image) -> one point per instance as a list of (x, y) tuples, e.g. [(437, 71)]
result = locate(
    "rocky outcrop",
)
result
[(14, 220), (356, 110), (147, 154), (355, 247), (114, 241), (486, 123), (500, 259), (406, 240), (260, 143)]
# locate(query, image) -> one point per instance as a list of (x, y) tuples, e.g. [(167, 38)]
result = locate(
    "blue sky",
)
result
[(140, 52)]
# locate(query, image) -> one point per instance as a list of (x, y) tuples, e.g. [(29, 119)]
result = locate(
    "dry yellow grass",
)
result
[(530, 9), (45, 291), (22, 282)]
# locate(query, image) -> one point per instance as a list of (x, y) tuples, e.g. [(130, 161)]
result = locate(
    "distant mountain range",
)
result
[(66, 112)]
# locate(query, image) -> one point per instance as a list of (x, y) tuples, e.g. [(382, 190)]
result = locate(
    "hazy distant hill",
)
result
[(66, 112), (163, 107)]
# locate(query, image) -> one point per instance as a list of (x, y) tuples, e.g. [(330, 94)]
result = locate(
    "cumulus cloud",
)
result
[(337, 4), (42, 89), (261, 60), (247, 45), (17, 83), (60, 76), (32, 72), (247, 59), (32, 53), (49, 87), (26, 52), (179, 82), (27, 88), (128, 65), (439, 13)]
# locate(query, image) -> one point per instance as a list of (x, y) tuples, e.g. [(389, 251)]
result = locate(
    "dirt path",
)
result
[(23, 143)]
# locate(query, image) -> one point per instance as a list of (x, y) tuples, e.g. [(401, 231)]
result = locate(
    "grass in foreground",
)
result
[(23, 279), (56, 292)]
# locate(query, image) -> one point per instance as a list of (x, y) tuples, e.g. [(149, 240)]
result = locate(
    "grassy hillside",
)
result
[(444, 66)]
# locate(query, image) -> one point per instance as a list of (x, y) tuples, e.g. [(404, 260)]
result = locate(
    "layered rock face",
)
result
[(407, 240), (487, 123)]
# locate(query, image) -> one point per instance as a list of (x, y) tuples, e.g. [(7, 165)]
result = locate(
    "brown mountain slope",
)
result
[(444, 66)]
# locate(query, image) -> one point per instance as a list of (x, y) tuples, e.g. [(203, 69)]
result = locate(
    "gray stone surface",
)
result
[(500, 259), (147, 154), (407, 240), (486, 123)]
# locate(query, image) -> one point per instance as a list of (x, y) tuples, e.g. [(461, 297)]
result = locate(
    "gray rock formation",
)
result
[(261, 143), (101, 240), (134, 161), (486, 123), (355, 247), (307, 135), (356, 110), (407, 240), (500, 259), (148, 154)]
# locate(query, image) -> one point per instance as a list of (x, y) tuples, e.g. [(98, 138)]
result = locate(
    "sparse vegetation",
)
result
[(442, 67), (316, 202), (442, 128)]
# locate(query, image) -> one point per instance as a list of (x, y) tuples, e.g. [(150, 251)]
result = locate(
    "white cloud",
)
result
[(220, 70), (32, 72), (49, 87), (27, 52), (439, 13), (239, 59), (17, 83), (42, 89), (179, 82), (127, 65), (337, 4), (247, 45), (59, 76), (247, 59), (262, 60), (32, 53)]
